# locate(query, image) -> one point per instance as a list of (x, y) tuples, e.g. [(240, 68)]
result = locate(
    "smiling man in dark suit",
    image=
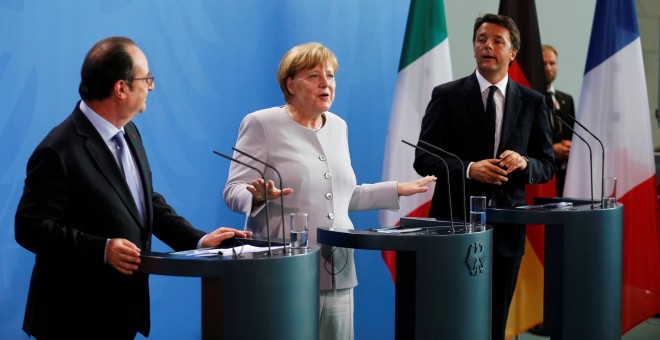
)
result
[(88, 208), (500, 130)]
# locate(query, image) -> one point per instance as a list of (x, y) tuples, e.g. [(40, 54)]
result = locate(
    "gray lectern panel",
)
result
[(443, 281), (583, 267), (256, 296)]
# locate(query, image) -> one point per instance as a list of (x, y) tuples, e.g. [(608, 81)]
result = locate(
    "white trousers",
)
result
[(336, 314)]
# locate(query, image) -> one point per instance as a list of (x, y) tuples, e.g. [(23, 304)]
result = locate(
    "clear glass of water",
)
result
[(477, 214), (609, 193), (298, 230)]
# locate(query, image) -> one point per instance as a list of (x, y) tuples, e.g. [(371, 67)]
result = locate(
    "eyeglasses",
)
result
[(149, 79)]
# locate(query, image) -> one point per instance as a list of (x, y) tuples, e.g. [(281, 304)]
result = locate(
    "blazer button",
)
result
[(328, 195), (322, 157), (327, 175), (331, 216)]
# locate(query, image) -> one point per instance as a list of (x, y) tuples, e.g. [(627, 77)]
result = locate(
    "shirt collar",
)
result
[(104, 128), (485, 84)]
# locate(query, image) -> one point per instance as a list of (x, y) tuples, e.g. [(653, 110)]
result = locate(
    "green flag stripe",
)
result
[(426, 29)]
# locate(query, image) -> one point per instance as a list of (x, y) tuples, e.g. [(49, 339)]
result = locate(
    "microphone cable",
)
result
[(330, 259)]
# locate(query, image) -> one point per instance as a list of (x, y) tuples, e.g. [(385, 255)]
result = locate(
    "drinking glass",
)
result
[(609, 193), (298, 230), (477, 214)]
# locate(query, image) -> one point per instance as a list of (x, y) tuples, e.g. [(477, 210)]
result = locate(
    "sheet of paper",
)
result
[(398, 231), (245, 249), (558, 205)]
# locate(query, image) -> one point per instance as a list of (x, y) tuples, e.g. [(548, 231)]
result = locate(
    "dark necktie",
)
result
[(491, 113), (128, 170), (557, 128), (550, 101)]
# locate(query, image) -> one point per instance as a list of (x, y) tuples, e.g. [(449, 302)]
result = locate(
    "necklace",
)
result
[(321, 123)]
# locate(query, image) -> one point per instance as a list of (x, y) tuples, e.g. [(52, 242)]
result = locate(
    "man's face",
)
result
[(493, 50), (550, 65), (137, 101)]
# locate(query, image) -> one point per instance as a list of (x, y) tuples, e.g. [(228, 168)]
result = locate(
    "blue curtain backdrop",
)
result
[(214, 62)]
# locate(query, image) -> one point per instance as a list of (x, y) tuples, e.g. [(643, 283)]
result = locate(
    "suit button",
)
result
[(331, 216), (322, 157), (328, 195), (327, 175)]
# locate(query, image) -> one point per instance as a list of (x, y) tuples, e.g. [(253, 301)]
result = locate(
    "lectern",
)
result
[(582, 269), (443, 278), (252, 295)]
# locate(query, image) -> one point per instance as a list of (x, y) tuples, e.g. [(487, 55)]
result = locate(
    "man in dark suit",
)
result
[(500, 131), (88, 208), (559, 103)]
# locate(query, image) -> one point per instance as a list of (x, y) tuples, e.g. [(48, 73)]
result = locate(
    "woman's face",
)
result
[(313, 90)]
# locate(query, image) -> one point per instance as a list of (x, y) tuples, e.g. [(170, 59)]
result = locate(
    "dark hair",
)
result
[(503, 21), (106, 63)]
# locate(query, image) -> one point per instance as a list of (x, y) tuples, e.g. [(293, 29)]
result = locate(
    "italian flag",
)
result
[(424, 64)]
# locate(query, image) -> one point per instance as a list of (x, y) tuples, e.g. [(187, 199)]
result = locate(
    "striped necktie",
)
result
[(127, 168)]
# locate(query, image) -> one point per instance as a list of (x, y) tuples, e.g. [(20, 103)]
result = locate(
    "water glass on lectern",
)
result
[(298, 230), (609, 193), (477, 214)]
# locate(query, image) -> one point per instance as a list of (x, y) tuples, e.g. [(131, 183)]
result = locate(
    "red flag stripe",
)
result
[(389, 256), (638, 301)]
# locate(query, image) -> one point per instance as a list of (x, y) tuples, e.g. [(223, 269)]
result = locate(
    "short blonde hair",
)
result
[(550, 48), (301, 58)]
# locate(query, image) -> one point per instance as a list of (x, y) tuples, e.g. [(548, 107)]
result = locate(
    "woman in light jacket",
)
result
[(309, 146)]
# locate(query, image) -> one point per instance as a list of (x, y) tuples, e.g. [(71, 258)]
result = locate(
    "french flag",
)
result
[(615, 107)]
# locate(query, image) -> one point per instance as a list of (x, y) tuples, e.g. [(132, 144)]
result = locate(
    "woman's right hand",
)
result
[(258, 189)]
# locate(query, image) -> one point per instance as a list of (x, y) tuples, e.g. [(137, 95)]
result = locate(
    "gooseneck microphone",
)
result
[(462, 176), (451, 213), (602, 170), (270, 251), (591, 161), (281, 187)]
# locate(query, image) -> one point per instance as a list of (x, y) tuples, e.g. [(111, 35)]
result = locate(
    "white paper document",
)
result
[(398, 231), (226, 251)]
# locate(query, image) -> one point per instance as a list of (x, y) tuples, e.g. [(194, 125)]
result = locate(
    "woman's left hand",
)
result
[(414, 187)]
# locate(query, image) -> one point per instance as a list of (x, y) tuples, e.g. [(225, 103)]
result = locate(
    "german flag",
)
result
[(527, 305)]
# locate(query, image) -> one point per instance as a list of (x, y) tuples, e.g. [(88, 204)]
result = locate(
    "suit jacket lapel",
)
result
[(105, 162), (511, 111)]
